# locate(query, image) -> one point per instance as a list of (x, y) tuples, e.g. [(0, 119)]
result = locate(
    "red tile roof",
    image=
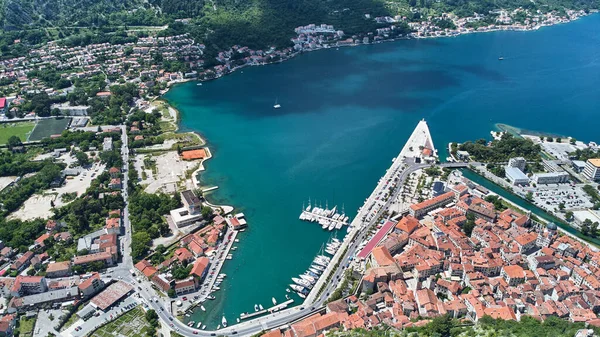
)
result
[(200, 266), (376, 239), (408, 224)]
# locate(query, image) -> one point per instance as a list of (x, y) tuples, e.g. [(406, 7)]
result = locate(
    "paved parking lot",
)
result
[(574, 197), (83, 328), (46, 321)]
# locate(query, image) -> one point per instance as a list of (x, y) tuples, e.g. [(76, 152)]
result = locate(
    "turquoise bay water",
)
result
[(346, 113)]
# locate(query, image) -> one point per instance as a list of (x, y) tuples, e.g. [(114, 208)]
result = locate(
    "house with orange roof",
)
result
[(194, 154), (513, 275), (381, 257), (113, 226), (407, 225), (422, 208), (200, 268), (427, 303), (114, 172), (183, 255), (526, 242), (39, 242), (27, 285), (146, 268), (196, 248), (58, 269), (91, 285), (475, 309), (500, 312), (455, 308)]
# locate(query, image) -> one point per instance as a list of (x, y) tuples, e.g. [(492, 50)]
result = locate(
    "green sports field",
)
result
[(48, 127), (21, 130)]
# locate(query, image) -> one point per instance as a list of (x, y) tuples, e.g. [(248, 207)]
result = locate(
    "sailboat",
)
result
[(277, 105)]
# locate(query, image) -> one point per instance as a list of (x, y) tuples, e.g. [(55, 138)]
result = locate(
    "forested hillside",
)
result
[(222, 23), (19, 13)]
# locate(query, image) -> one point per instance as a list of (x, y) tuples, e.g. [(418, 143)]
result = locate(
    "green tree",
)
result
[(440, 326), (569, 215), (529, 196), (140, 242), (82, 158), (152, 317), (586, 226), (14, 141)]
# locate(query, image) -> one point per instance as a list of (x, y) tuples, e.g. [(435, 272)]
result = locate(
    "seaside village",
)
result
[(426, 266), (94, 285), (136, 62)]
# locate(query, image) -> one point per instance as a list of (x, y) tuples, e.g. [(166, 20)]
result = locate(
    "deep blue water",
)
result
[(346, 113)]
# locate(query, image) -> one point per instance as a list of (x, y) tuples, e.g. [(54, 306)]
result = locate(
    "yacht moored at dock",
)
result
[(329, 219)]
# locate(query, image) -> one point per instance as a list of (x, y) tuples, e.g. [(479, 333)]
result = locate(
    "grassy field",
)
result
[(48, 127), (21, 130), (130, 324), (26, 326)]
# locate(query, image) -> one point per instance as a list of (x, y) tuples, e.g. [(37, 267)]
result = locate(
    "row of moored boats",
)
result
[(329, 219), (305, 282)]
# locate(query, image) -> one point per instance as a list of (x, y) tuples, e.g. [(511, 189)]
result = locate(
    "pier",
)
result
[(327, 218), (268, 310), (210, 189), (281, 305), (253, 314)]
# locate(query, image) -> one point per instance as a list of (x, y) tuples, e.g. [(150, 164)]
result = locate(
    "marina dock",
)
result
[(269, 310), (327, 218), (253, 314), (281, 305)]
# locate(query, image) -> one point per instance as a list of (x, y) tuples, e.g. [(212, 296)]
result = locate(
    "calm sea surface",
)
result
[(346, 113)]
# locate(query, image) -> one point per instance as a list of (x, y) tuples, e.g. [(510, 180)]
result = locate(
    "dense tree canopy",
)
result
[(503, 149)]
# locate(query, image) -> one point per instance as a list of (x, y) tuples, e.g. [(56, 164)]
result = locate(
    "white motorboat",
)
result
[(261, 307), (198, 325), (318, 267), (224, 322), (274, 300), (297, 287), (203, 308), (320, 263), (301, 282), (307, 278), (316, 271), (256, 307)]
